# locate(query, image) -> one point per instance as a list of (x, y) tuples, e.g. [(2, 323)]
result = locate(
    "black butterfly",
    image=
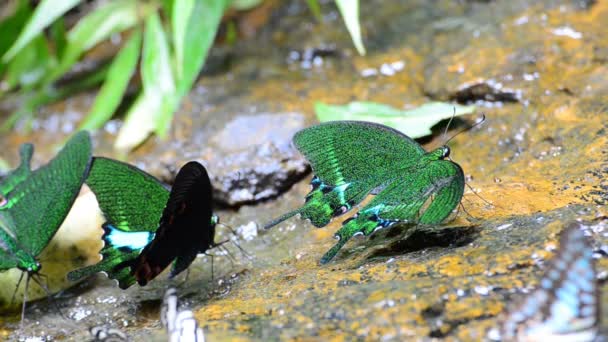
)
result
[(147, 227)]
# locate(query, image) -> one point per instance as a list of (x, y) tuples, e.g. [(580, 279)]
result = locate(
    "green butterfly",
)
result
[(132, 202), (33, 204), (352, 159)]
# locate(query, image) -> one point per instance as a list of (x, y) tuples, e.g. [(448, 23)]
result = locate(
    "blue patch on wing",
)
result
[(132, 241)]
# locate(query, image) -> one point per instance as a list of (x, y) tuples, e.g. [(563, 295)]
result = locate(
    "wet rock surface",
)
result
[(540, 159)]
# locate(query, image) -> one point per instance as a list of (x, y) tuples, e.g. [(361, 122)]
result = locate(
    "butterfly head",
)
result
[(27, 263), (214, 220), (3, 200), (445, 151)]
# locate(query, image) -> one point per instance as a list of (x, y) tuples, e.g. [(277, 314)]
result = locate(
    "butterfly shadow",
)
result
[(423, 238)]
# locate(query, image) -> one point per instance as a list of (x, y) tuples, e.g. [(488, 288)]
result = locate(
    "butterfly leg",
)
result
[(363, 223)]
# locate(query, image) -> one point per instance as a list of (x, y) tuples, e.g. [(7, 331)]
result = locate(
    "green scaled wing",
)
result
[(19, 174), (39, 201), (130, 199), (8, 243), (342, 152), (427, 194), (350, 159), (132, 202)]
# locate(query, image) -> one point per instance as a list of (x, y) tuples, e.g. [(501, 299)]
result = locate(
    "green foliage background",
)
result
[(168, 40)]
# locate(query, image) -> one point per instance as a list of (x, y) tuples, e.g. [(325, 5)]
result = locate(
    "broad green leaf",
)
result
[(30, 65), (115, 85), (45, 95), (140, 121), (200, 33), (156, 71), (113, 17), (154, 107), (180, 16), (415, 122), (244, 5), (350, 13), (11, 26), (315, 9), (59, 37), (46, 12)]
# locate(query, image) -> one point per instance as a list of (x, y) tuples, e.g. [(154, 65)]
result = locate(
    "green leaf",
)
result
[(315, 9), (59, 37), (180, 16), (40, 97), (46, 12), (115, 85), (415, 122), (198, 38), (350, 13), (244, 5), (113, 17), (12, 25), (30, 66), (140, 121), (154, 108)]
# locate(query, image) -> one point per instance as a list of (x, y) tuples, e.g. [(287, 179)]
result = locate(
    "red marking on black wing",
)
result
[(184, 229)]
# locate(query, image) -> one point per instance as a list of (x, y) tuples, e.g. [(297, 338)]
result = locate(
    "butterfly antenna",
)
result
[(49, 295), (478, 195), (230, 255), (479, 122), (461, 206), (445, 133), (27, 283), (241, 249), (17, 288)]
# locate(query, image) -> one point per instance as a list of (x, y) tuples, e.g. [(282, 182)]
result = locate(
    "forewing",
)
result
[(184, 228), (7, 242), (130, 199), (19, 174), (347, 151), (40, 203), (427, 194)]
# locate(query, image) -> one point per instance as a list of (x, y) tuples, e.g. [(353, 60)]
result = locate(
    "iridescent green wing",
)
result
[(349, 160), (8, 242), (427, 194), (19, 174), (343, 152), (132, 202), (130, 199), (39, 203)]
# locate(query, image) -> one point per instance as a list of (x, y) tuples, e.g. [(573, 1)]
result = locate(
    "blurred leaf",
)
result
[(97, 26), (59, 37), (139, 123), (199, 36), (45, 13), (11, 26), (415, 122), (181, 12), (154, 108), (30, 65), (109, 97), (350, 13), (244, 5), (315, 9), (32, 100)]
